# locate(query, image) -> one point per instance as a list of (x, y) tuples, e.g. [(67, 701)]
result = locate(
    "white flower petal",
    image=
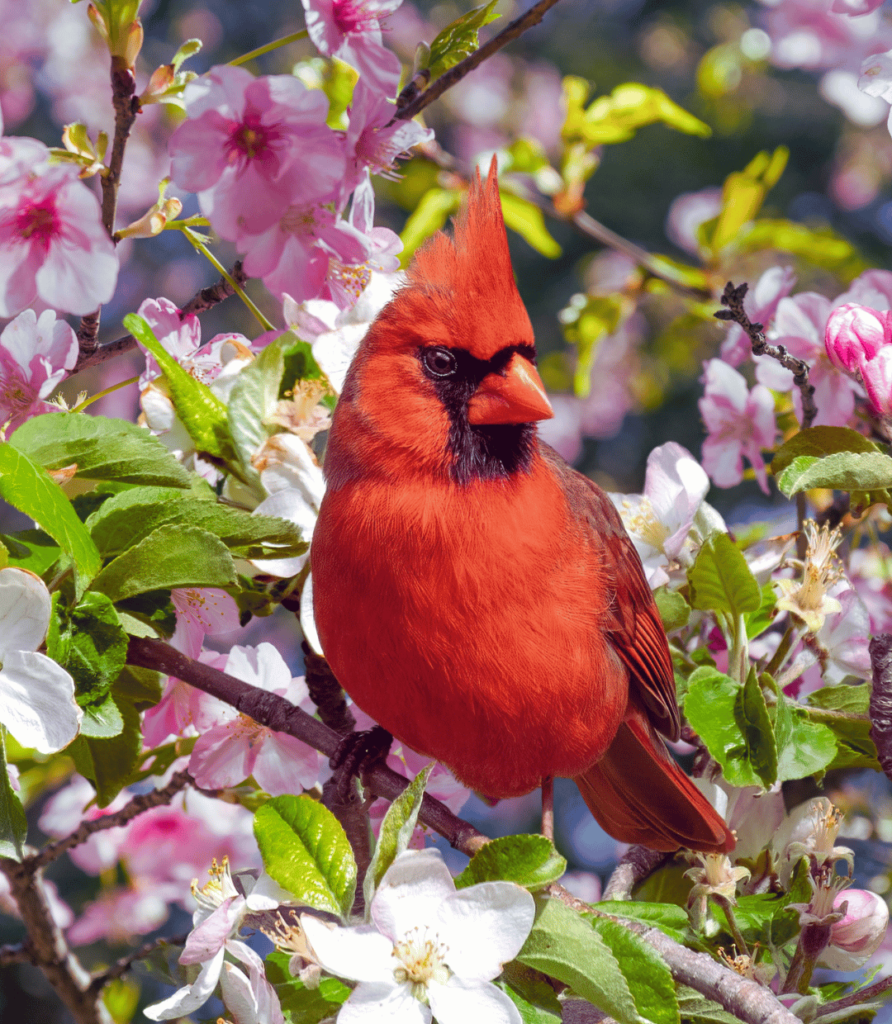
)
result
[(484, 927), (189, 998), (25, 605), (383, 1004), (238, 996), (461, 1002), (307, 618), (358, 954), (411, 891), (37, 701)]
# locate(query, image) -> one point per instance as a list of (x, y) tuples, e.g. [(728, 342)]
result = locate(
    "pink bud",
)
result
[(855, 333), (877, 376), (858, 935)]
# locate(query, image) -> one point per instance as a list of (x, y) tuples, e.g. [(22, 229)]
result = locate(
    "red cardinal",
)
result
[(474, 594)]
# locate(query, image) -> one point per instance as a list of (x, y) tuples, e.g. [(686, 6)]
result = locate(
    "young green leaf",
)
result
[(251, 401), (528, 221), (744, 193), (30, 489), (427, 218), (711, 708), (109, 762), (90, 643), (645, 971), (721, 579), (305, 849), (102, 721), (673, 609), (757, 729), (300, 1003), (868, 472), (668, 917), (531, 861), (819, 442), (396, 831), (13, 823), (459, 39)]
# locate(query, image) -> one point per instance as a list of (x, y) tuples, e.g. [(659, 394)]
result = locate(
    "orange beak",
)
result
[(518, 396)]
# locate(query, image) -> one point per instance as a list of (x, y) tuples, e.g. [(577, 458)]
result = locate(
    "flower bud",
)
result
[(858, 935), (854, 334), (876, 374)]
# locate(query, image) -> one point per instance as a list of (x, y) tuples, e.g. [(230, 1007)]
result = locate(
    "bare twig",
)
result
[(864, 995), (18, 954), (126, 106), (407, 110), (120, 967), (636, 864), (733, 298), (138, 805)]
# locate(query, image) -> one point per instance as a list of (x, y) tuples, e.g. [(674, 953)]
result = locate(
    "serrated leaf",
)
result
[(646, 973), (459, 39), (710, 706), (810, 750), (721, 579), (201, 412), (757, 729), (109, 763), (251, 400), (102, 721), (305, 849), (171, 556), (102, 449), (129, 517), (30, 489), (819, 442), (844, 471), (13, 823), (90, 643), (853, 700), (673, 609), (668, 917), (427, 218), (303, 1005), (528, 221), (396, 831), (529, 860)]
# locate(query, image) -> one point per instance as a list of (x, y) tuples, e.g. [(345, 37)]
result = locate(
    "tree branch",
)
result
[(733, 298), (120, 967), (408, 107), (636, 864)]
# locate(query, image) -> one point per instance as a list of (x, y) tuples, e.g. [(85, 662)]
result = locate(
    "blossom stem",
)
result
[(274, 45), (105, 391), (730, 917), (738, 655), (783, 649), (230, 280)]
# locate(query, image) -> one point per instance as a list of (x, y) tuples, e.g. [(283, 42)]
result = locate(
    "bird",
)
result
[(473, 593)]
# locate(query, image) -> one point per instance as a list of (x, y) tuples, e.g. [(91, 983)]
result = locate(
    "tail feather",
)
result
[(638, 794)]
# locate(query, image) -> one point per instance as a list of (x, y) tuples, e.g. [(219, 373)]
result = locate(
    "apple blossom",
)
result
[(876, 375), (855, 333), (238, 747), (809, 34), (53, 245), (855, 938), (35, 355), (37, 702), (739, 423), (73, 804), (430, 950), (855, 8), (810, 830), (876, 78), (808, 598), (760, 304)]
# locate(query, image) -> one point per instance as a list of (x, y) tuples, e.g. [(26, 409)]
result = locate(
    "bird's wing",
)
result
[(634, 625)]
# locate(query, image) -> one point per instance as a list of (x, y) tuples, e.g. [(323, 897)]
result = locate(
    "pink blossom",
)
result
[(687, 213), (739, 423), (807, 34), (183, 710), (53, 245), (69, 807), (35, 355), (119, 914), (760, 305), (855, 333), (876, 374), (872, 288), (855, 8), (844, 638), (252, 146), (855, 938), (238, 747), (202, 611), (351, 30)]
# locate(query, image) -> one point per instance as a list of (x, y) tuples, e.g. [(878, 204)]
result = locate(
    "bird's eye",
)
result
[(439, 362)]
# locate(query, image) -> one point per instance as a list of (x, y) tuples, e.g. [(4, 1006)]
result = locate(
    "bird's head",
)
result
[(446, 377)]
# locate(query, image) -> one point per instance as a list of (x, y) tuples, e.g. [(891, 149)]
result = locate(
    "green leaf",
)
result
[(668, 917), (102, 449), (305, 849), (252, 399), (819, 442), (811, 749), (200, 410), (547, 1010), (673, 609), (744, 193), (721, 579), (710, 706), (757, 729), (530, 861), (30, 489), (129, 517), (30, 549), (853, 700), (303, 1005), (586, 324), (599, 964), (459, 39), (527, 220), (617, 117), (427, 218), (844, 471), (821, 246), (697, 1009), (109, 763), (13, 823), (396, 831), (171, 556), (90, 643), (141, 686), (102, 721)]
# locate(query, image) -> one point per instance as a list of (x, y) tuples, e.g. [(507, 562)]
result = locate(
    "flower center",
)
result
[(422, 959), (298, 220), (38, 221), (17, 396), (644, 524), (353, 16), (250, 139)]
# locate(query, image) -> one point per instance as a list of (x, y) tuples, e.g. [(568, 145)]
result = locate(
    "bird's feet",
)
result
[(357, 753)]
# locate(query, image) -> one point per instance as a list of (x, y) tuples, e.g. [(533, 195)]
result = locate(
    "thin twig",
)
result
[(733, 298), (517, 27), (120, 967), (138, 805), (864, 995), (636, 864), (18, 954)]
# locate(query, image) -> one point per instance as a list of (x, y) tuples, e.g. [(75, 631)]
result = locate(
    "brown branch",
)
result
[(138, 805), (18, 954), (733, 298), (864, 995), (50, 951), (636, 864), (326, 692), (120, 967), (281, 715), (126, 104), (408, 110)]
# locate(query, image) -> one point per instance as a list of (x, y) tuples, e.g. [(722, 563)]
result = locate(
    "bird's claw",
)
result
[(356, 754)]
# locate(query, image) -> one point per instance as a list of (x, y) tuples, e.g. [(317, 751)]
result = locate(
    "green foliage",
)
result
[(668, 917), (602, 962), (303, 1005), (428, 217), (530, 861), (100, 448), (89, 642), (586, 324), (30, 489), (305, 849), (867, 474), (673, 609), (527, 220), (396, 831), (13, 823), (820, 246), (110, 761), (742, 197), (721, 580), (459, 39), (534, 998)]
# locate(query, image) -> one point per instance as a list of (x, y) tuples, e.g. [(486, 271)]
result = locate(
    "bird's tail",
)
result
[(638, 794)]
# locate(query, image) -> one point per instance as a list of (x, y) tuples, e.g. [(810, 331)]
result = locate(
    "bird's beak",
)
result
[(518, 396)]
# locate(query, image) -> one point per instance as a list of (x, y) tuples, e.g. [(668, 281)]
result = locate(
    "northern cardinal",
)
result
[(475, 595)]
